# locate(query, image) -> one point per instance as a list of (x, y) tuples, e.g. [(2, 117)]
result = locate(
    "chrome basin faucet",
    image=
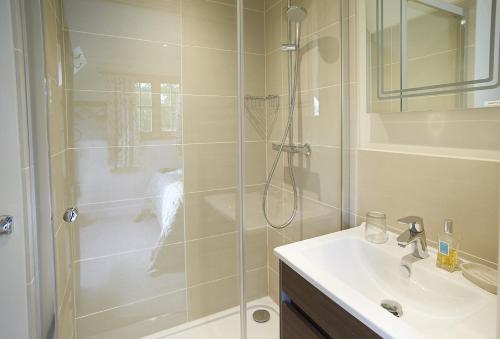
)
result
[(415, 236)]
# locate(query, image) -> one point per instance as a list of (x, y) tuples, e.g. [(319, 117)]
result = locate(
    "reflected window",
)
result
[(170, 106), (145, 106), (158, 108)]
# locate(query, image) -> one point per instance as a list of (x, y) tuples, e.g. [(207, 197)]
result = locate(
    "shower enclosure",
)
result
[(162, 115)]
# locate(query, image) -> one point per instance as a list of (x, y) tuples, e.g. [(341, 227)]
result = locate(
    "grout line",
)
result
[(118, 254), (129, 304), (160, 42)]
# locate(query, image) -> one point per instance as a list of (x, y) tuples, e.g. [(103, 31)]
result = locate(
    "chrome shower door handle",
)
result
[(6, 222)]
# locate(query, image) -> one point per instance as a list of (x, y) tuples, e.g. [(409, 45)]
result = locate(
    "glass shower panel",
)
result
[(152, 152), (316, 122)]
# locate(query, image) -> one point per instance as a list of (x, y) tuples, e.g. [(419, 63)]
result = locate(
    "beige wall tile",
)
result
[(212, 258), (320, 65), (109, 174), (209, 119), (208, 24), (106, 119), (66, 316), (116, 64), (255, 68), (274, 239), (122, 279), (256, 284), (320, 14), (223, 172), (254, 30), (60, 180), (136, 320), (434, 188), (213, 297), (317, 177), (273, 73), (63, 261), (57, 117), (123, 226), (155, 20), (273, 29), (210, 213), (256, 247), (209, 71), (318, 115), (274, 288)]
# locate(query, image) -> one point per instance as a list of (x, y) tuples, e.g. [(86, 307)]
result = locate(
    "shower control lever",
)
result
[(301, 149)]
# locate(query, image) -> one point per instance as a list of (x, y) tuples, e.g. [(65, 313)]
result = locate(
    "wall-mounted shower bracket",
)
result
[(295, 148)]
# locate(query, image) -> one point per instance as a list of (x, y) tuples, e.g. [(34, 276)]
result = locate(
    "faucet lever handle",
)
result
[(416, 223)]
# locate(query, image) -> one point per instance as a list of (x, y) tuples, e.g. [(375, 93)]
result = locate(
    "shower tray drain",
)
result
[(392, 307), (261, 316)]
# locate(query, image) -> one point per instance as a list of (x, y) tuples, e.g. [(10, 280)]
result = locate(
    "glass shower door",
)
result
[(149, 156)]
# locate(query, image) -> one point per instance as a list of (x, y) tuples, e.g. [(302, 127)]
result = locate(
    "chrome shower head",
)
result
[(296, 13)]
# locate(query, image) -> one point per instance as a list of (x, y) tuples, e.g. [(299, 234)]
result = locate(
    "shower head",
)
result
[(296, 13)]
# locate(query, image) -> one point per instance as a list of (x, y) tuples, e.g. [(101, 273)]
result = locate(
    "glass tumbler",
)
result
[(375, 227)]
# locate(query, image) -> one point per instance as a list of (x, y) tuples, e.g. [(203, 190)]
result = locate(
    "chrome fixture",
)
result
[(295, 16), (6, 222), (71, 214), (301, 149), (415, 236), (261, 316)]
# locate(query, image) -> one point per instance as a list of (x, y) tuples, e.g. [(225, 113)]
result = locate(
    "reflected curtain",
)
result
[(123, 124)]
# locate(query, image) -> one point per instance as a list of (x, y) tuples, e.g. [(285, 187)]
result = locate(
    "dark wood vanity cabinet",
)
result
[(306, 313)]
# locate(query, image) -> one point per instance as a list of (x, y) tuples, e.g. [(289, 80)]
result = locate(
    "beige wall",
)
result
[(318, 177), (440, 164)]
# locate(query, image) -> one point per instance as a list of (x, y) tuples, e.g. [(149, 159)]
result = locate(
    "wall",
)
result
[(439, 164), (149, 156), (317, 122)]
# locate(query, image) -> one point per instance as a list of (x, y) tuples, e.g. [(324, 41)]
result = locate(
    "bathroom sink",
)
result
[(358, 275)]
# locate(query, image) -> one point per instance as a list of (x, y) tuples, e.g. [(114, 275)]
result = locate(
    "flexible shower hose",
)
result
[(291, 110)]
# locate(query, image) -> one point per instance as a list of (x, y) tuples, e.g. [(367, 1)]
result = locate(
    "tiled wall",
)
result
[(60, 175), (441, 164), (317, 121), (156, 242)]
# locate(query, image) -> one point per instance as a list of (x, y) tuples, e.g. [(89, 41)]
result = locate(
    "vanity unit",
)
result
[(334, 286), (307, 313)]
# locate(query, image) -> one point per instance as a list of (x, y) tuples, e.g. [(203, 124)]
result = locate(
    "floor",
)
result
[(226, 325)]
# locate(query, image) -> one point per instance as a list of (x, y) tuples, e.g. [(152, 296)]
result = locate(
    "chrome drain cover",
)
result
[(261, 316), (392, 307)]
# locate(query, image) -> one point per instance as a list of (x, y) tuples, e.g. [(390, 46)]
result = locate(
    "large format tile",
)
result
[(155, 20), (208, 24), (208, 71), (213, 297), (212, 258), (135, 320), (124, 226), (118, 280), (434, 188), (117, 64), (113, 119), (119, 173)]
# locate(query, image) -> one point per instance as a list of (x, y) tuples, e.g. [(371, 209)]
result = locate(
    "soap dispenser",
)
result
[(447, 257)]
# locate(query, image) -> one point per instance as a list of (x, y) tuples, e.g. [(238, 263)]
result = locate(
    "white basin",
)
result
[(358, 275)]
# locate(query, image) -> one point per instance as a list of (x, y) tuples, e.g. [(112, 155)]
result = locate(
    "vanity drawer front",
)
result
[(296, 326), (325, 313)]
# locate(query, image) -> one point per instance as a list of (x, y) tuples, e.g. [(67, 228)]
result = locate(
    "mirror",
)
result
[(432, 54)]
